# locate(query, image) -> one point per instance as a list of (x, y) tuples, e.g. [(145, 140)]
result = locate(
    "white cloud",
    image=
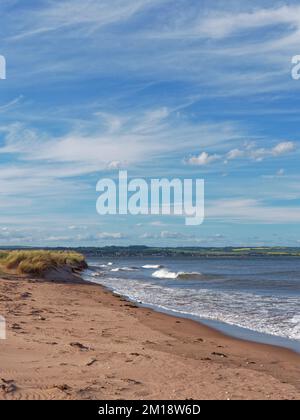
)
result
[(222, 25), (283, 148), (260, 154), (157, 223), (235, 154), (115, 164), (57, 175), (174, 235), (249, 151), (106, 24), (147, 235), (110, 235), (203, 159), (61, 239), (46, 165), (279, 174), (276, 151), (166, 235)]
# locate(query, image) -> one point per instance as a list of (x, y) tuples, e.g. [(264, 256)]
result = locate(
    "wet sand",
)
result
[(79, 341)]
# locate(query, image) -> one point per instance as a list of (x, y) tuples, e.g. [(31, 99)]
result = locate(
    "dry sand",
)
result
[(79, 341)]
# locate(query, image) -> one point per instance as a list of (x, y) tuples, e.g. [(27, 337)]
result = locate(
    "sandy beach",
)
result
[(79, 341)]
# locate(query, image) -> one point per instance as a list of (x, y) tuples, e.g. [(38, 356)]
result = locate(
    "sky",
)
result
[(161, 88)]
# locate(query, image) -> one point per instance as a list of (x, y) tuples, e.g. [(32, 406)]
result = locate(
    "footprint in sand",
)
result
[(91, 362), (8, 386), (25, 295), (16, 327), (214, 353), (132, 381), (80, 346), (65, 388)]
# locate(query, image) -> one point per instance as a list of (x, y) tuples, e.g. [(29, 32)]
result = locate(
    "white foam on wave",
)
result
[(166, 274), (92, 273), (101, 265), (123, 269), (96, 274), (296, 329), (152, 266)]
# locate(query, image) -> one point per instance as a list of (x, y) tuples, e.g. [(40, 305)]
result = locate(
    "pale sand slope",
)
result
[(123, 352)]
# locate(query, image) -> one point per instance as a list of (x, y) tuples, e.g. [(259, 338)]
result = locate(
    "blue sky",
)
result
[(161, 88)]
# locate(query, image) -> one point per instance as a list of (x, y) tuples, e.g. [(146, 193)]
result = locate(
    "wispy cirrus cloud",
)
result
[(129, 140), (220, 24), (207, 35), (65, 14), (93, 87), (252, 211), (67, 167)]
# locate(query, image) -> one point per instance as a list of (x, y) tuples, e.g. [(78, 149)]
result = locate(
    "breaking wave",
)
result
[(165, 274), (152, 266)]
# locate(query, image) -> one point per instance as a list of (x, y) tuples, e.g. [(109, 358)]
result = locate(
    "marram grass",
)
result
[(39, 262)]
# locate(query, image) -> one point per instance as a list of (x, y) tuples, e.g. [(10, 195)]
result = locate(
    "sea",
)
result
[(253, 298)]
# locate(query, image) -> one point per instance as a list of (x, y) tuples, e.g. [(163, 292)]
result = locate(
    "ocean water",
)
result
[(252, 298)]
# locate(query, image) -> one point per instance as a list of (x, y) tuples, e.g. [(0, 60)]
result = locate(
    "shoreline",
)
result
[(294, 346), (231, 330), (106, 346), (227, 330)]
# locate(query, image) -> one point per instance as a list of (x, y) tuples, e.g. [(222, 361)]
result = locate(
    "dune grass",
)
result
[(39, 262)]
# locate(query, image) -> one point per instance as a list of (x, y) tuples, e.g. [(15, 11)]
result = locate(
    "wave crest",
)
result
[(123, 269), (152, 266), (165, 274)]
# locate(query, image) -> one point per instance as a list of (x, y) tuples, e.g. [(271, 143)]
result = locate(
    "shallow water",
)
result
[(253, 298)]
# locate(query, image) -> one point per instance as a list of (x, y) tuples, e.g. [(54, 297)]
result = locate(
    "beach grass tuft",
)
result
[(38, 262)]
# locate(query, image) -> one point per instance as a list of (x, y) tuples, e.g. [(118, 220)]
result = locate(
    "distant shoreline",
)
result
[(148, 251)]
